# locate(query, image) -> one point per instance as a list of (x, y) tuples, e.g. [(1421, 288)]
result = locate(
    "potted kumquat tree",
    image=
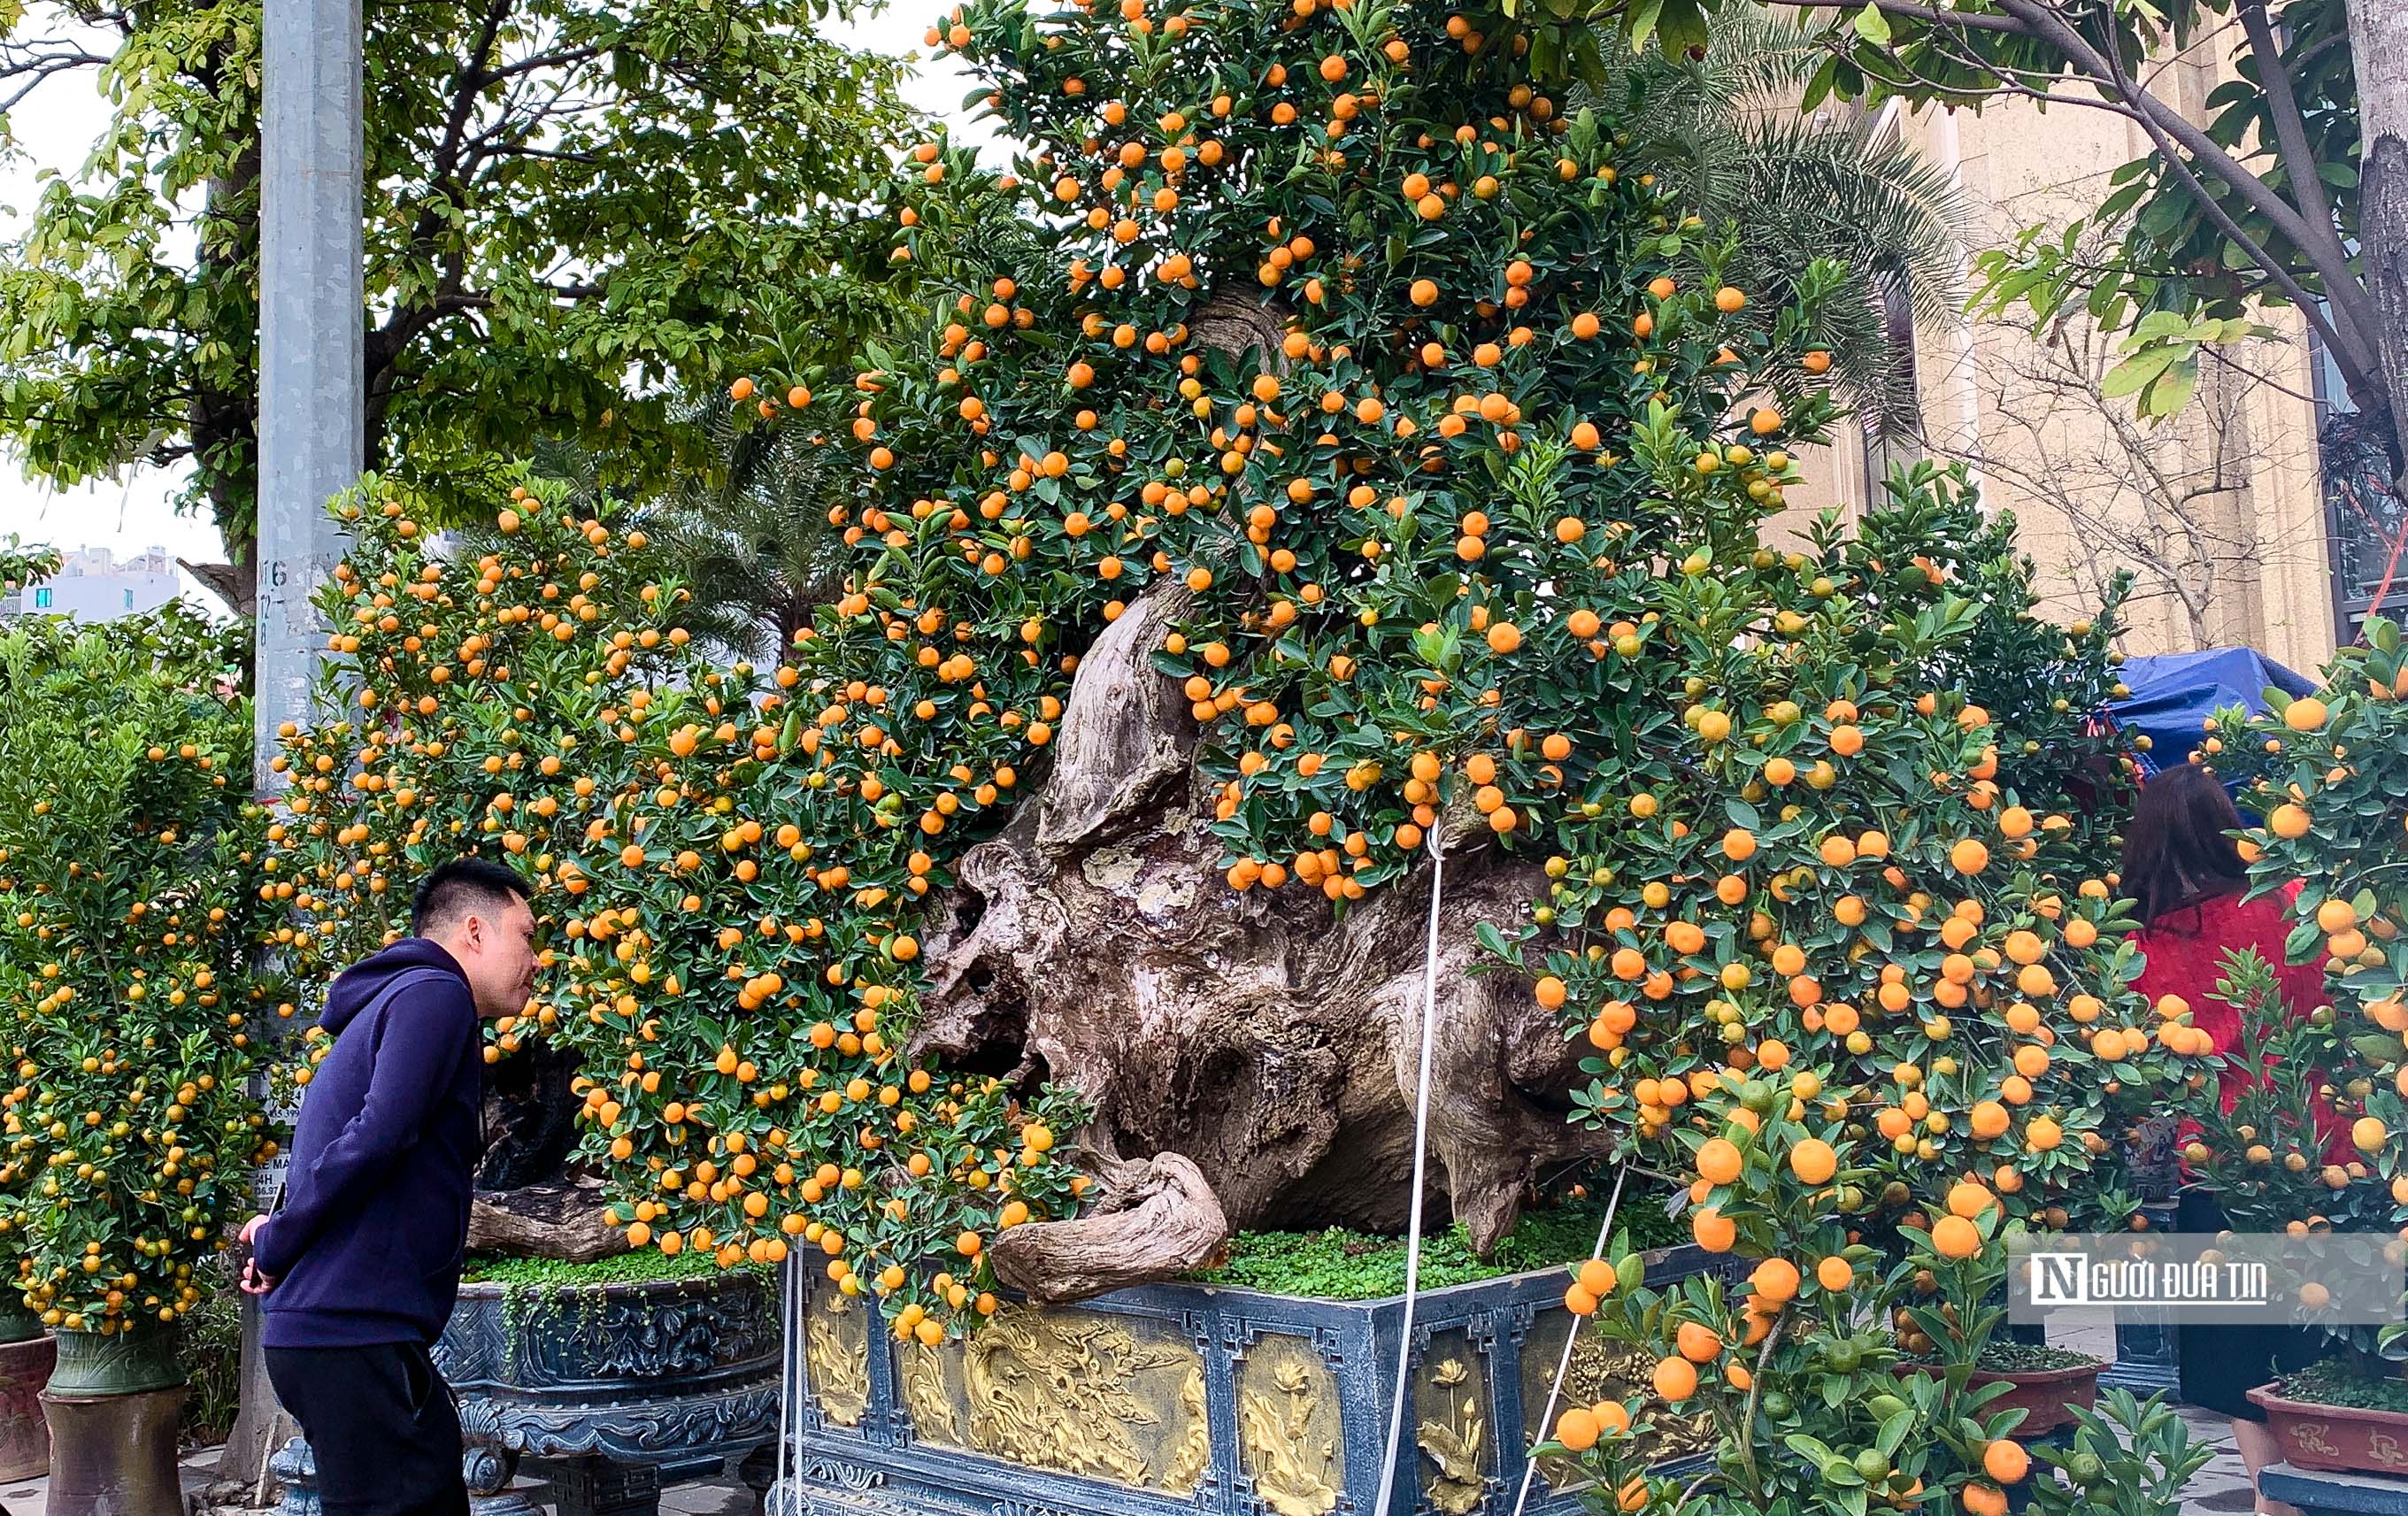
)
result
[(2311, 1145), (129, 913)]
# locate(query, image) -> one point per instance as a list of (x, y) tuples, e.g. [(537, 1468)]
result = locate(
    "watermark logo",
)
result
[(2330, 1280)]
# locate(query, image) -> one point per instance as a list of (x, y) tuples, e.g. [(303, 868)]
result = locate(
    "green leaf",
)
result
[(2138, 371), (1872, 25), (1893, 1430), (1493, 942), (1682, 26), (1638, 22), (2171, 392), (2379, 1047), (2155, 325)]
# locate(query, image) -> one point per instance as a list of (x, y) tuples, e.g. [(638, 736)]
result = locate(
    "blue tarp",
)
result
[(2174, 695)]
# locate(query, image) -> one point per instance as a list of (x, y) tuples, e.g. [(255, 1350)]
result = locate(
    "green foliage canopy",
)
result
[(571, 207)]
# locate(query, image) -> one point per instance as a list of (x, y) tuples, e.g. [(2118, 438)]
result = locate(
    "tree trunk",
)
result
[(557, 1218), (1097, 943), (2378, 42), (1156, 1218)]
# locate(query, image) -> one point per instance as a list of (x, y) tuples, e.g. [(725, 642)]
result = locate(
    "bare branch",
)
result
[(467, 83), (549, 154), (537, 62), (38, 68)]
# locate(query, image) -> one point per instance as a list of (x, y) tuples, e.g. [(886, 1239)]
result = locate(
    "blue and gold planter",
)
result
[(1181, 1398), (641, 1372), (613, 1387)]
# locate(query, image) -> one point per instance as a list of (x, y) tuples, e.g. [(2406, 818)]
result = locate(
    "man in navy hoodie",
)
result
[(360, 1263)]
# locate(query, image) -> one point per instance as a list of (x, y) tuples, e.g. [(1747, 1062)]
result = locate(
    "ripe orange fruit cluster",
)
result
[(726, 872)]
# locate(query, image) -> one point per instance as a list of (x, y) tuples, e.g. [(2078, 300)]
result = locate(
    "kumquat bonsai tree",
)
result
[(1358, 464), (1427, 448), (1847, 867), (135, 1009), (1839, 1371)]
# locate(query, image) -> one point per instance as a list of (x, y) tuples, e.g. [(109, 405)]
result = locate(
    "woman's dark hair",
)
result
[(2176, 851)]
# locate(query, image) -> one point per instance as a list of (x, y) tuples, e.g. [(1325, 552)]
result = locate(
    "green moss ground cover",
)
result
[(2336, 1381), (1338, 1265), (1333, 1264)]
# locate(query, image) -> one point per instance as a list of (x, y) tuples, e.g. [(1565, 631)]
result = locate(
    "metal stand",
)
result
[(2146, 1357), (759, 1471), (598, 1487), (491, 1474)]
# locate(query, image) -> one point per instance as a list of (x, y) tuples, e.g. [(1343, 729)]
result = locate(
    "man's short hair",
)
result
[(460, 887)]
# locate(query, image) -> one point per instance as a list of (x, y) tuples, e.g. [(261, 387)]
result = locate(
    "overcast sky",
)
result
[(55, 129)]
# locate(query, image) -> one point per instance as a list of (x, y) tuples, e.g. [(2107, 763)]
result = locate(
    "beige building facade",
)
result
[(2222, 513)]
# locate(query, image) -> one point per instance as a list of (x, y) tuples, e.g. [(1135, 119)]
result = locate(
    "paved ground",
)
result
[(2223, 1485), (715, 1498), (2220, 1489)]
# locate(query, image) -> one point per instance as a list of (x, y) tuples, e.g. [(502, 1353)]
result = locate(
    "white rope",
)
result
[(1421, 1163), (788, 1462), (1571, 1339)]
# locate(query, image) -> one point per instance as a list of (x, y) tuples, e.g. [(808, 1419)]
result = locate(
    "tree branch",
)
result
[(549, 154), (466, 84), (564, 58), (2167, 129), (2004, 24), (2298, 161), (36, 71), (2173, 135)]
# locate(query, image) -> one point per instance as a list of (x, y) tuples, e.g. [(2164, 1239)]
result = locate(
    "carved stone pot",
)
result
[(1170, 1397), (613, 1385)]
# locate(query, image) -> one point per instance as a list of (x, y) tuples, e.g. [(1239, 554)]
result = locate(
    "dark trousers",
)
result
[(382, 1424), (2218, 1363)]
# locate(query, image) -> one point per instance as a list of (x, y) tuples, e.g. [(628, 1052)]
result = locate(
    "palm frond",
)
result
[(1724, 130)]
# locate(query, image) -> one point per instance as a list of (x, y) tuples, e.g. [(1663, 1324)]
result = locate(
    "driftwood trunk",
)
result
[(1270, 1042)]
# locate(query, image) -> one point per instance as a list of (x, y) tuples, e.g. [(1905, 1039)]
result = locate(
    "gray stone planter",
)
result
[(1185, 1398)]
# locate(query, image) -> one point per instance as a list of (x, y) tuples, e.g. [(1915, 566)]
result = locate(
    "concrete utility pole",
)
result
[(311, 334), (312, 383)]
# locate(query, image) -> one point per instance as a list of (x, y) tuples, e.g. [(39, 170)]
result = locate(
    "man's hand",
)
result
[(254, 1282)]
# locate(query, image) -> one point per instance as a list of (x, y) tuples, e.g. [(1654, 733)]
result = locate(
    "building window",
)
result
[(42, 599), (1893, 430), (129, 600), (2366, 520)]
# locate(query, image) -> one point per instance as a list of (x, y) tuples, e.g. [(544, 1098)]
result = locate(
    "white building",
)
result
[(96, 585)]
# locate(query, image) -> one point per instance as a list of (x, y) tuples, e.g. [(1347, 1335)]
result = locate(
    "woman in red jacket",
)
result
[(2183, 872)]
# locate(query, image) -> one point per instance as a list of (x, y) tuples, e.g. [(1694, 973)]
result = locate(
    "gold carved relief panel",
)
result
[(1289, 1445), (836, 1356), (1071, 1392), (1451, 1415), (1601, 1370)]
